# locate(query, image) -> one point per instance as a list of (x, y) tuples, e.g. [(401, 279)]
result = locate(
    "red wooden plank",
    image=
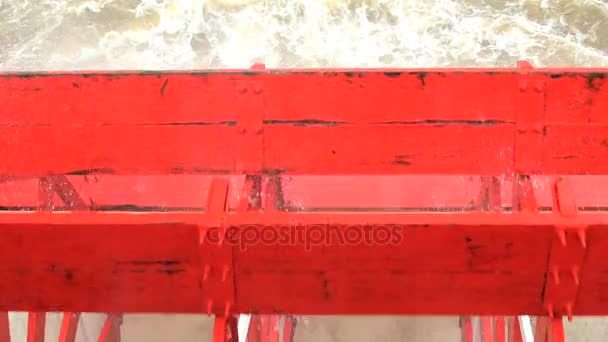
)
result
[(393, 148), (325, 122), (111, 192), (576, 148), (120, 268), (287, 148), (414, 274), (440, 269), (423, 191), (117, 149), (185, 192), (126, 99), (577, 98)]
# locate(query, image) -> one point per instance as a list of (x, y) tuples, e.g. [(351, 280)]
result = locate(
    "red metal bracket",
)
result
[(250, 128), (529, 121), (567, 256), (217, 261)]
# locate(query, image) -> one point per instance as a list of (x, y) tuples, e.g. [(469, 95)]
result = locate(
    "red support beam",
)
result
[(110, 332), (225, 329), (557, 326), (69, 326), (36, 326), (289, 329), (466, 326), (487, 328), (499, 323), (515, 334)]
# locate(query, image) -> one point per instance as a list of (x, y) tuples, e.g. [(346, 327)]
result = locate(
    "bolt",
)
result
[(582, 237), (575, 274), (550, 310), (209, 307), (206, 271), (561, 234), (569, 311), (555, 273), (523, 86), (227, 309), (225, 272)]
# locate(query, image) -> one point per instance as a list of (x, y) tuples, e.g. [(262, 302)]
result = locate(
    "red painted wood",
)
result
[(219, 329), (446, 268), (225, 329), (515, 334), (187, 192), (542, 330), (320, 122), (36, 326), (69, 326), (5, 333), (467, 329), (487, 328), (499, 323), (557, 326), (110, 332), (289, 329)]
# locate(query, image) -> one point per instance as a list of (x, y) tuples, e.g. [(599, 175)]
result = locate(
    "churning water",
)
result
[(200, 34)]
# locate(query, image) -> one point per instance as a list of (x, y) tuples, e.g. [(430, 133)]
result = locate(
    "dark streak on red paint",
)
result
[(163, 88)]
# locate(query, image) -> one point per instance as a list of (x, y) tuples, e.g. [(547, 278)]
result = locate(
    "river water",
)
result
[(200, 34)]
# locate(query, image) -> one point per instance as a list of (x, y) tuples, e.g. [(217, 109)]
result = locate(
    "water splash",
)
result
[(196, 34)]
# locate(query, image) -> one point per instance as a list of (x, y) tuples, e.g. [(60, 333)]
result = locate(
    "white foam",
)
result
[(196, 34)]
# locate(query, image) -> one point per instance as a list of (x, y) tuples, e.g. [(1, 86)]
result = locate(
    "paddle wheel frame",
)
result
[(482, 191)]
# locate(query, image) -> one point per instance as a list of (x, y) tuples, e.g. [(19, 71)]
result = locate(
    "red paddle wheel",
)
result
[(471, 192)]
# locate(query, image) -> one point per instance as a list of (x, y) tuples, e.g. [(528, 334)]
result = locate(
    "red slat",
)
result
[(500, 328), (36, 326), (117, 149), (110, 332), (487, 328), (467, 329), (325, 122), (69, 326), (557, 326), (452, 267)]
